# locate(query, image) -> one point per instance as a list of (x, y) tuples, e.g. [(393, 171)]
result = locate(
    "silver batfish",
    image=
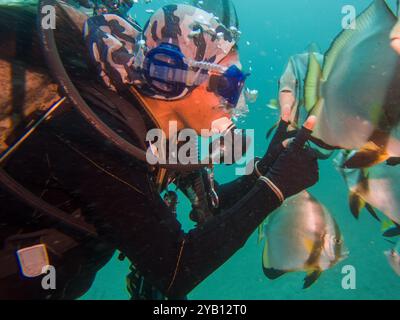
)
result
[(376, 187), (356, 94), (302, 236)]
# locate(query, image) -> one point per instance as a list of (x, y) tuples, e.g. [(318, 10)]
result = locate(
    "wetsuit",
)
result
[(70, 165)]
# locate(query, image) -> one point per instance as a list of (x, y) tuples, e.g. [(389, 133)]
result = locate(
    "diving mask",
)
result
[(169, 73)]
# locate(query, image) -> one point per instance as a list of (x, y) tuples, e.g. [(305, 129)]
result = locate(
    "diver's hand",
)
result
[(276, 146), (296, 168)]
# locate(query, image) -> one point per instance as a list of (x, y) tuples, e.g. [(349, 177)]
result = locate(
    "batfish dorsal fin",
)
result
[(311, 277), (312, 83), (377, 14)]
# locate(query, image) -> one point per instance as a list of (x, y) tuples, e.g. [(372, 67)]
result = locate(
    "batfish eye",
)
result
[(338, 241)]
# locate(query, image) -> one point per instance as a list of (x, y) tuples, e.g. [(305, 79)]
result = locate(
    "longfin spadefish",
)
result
[(369, 155), (311, 278), (356, 204), (312, 83)]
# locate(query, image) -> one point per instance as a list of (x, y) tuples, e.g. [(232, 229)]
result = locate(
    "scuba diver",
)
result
[(78, 189)]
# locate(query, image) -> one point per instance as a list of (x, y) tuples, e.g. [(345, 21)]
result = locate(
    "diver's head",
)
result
[(190, 70)]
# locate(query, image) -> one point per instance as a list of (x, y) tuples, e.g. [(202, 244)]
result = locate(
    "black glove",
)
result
[(296, 168), (275, 147)]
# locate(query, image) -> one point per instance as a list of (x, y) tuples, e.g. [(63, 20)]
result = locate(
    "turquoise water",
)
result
[(272, 31)]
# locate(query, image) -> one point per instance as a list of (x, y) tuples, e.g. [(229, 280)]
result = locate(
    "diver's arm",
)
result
[(207, 247), (232, 192), (117, 197), (176, 262)]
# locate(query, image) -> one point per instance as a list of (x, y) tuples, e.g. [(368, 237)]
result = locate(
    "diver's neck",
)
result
[(170, 125), (164, 117)]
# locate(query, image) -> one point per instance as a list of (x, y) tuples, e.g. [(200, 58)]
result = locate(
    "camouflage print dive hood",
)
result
[(118, 49)]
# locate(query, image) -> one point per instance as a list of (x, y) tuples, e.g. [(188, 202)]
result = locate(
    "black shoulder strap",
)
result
[(118, 107), (12, 186)]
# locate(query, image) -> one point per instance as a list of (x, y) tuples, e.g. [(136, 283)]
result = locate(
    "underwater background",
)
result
[(272, 31)]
